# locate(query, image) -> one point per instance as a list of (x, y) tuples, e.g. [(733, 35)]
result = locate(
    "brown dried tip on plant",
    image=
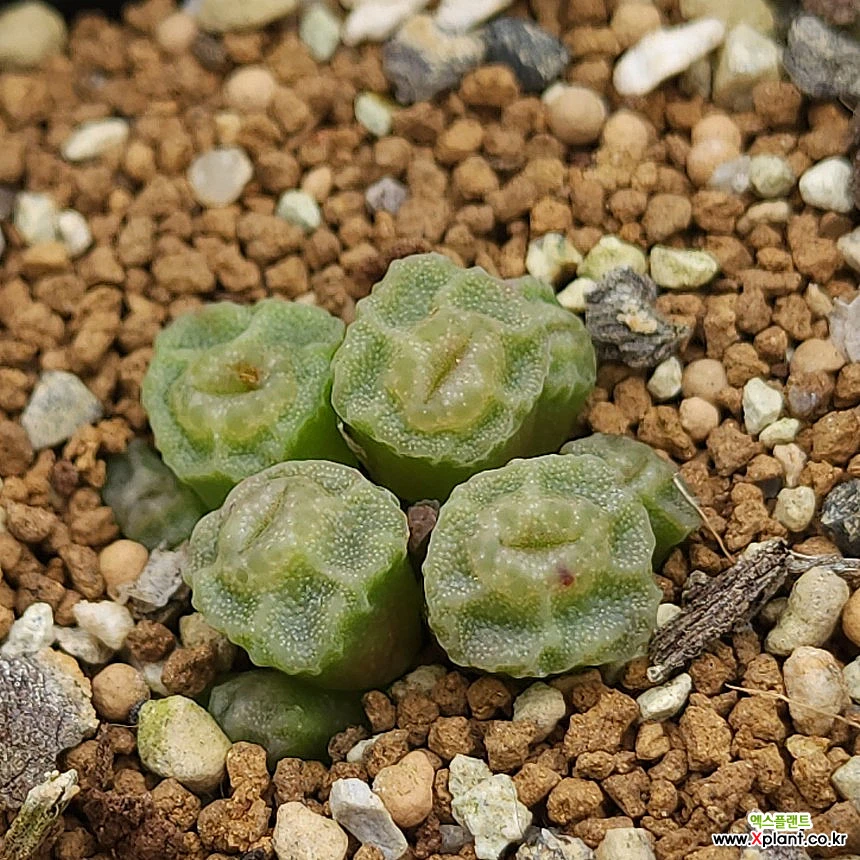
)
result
[(718, 605)]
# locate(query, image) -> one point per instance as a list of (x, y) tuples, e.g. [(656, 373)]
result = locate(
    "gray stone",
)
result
[(158, 581), (59, 405), (812, 611), (362, 813), (422, 60), (849, 247), (840, 516), (846, 780), (746, 58), (660, 703), (453, 838), (665, 381), (625, 843), (320, 29), (823, 62), (222, 16), (851, 677), (82, 645), (493, 814), (543, 705), (300, 833), (827, 185), (844, 320), (762, 405), (732, 176), (464, 773), (624, 324), (542, 843), (219, 176), (795, 507), (30, 32), (91, 139), (386, 195), (536, 57), (177, 739), (681, 268), (30, 633)]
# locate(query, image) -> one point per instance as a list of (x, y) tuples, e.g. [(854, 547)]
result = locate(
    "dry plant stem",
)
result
[(770, 694), (43, 807), (691, 499), (719, 605)]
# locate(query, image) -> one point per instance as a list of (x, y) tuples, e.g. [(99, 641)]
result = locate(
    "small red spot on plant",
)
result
[(565, 576)]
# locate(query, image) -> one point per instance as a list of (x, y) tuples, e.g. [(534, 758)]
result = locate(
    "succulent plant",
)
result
[(305, 567), (284, 715), (651, 479), (447, 372), (148, 502), (232, 389), (541, 566)]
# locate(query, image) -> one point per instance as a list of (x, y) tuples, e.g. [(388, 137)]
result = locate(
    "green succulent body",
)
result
[(305, 567), (540, 567), (651, 479), (148, 502), (447, 372), (233, 389), (284, 715)]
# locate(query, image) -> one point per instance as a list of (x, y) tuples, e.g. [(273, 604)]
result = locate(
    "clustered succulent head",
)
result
[(232, 389), (541, 566), (447, 372), (536, 566)]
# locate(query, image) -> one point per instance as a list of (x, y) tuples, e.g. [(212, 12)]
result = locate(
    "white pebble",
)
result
[(792, 458), (178, 739), (665, 53), (574, 296), (458, 17), (30, 633), (74, 231), (421, 680), (851, 676), (35, 217), (59, 405), (357, 751), (375, 113), (250, 89), (813, 677), (465, 772), (362, 813), (795, 508), (319, 29), (827, 185), (771, 176), (849, 246), (219, 176), (386, 195), (781, 432), (762, 405), (665, 382), (625, 843), (552, 256), (300, 834), (612, 253), (746, 58), (491, 811), (82, 645), (109, 622), (91, 139), (376, 20), (846, 780), (732, 176), (543, 705), (812, 611), (681, 268), (301, 209), (666, 612), (660, 703)]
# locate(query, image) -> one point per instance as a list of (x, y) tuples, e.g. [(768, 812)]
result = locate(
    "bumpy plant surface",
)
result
[(149, 503), (284, 715), (449, 371), (651, 479), (305, 567), (232, 389), (541, 566)]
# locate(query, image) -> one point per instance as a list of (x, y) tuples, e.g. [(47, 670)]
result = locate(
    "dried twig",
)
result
[(682, 489), (847, 568), (719, 606)]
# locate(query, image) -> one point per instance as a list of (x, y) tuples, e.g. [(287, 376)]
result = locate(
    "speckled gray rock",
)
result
[(844, 320), (814, 678), (30, 633), (355, 807), (59, 405), (823, 62), (423, 60), (179, 739), (851, 676), (846, 780), (386, 195), (536, 57), (543, 705), (840, 516), (493, 814), (543, 843), (812, 612), (45, 708), (624, 324)]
